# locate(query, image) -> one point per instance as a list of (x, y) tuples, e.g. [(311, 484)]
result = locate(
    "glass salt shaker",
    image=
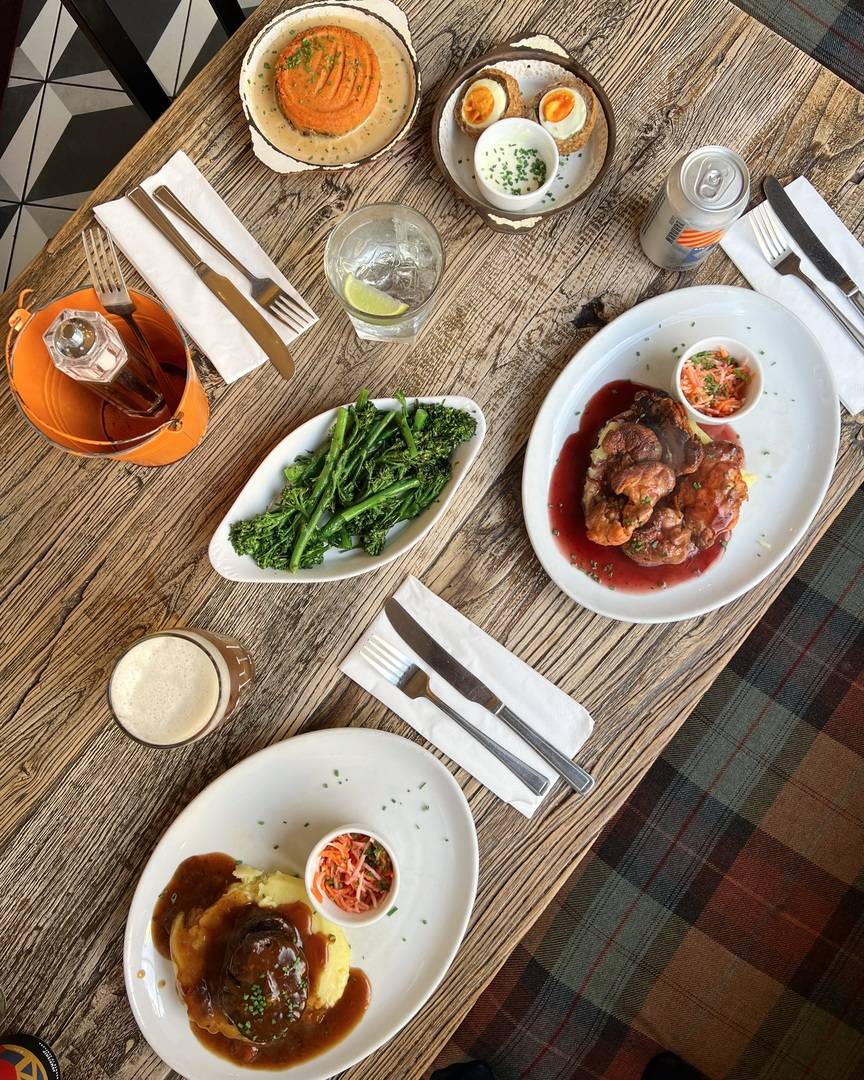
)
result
[(86, 347)]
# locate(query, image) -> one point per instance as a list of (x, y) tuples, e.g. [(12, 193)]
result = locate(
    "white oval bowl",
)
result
[(542, 142), (326, 907), (265, 484), (277, 33), (738, 350)]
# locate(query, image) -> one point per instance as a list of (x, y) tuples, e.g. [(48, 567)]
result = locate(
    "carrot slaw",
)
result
[(714, 383), (355, 871)]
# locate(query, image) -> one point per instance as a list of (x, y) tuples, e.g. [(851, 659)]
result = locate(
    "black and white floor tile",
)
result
[(66, 121)]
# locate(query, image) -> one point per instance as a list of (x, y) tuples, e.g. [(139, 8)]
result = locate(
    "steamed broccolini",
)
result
[(376, 469)]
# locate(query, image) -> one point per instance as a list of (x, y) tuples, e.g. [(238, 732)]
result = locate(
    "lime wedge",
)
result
[(371, 300)]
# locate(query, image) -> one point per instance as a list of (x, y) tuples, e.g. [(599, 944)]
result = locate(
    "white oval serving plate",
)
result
[(265, 484), (790, 441), (266, 801)]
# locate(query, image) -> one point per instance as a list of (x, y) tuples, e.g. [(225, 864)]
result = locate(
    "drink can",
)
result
[(706, 191), (27, 1057)]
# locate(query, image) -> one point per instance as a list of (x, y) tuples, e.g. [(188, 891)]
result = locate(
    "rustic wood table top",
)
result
[(97, 553)]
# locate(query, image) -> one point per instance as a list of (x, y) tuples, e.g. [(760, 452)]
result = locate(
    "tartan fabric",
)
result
[(720, 915), (831, 31)]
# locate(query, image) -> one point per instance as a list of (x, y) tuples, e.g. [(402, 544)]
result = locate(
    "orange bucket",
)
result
[(78, 421)]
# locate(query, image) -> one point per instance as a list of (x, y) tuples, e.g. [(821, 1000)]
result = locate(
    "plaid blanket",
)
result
[(721, 914), (831, 31)]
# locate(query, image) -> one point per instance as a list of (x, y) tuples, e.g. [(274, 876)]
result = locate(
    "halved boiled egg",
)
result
[(562, 111), (484, 103)]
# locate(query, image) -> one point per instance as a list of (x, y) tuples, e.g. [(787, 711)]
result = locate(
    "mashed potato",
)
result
[(190, 942)]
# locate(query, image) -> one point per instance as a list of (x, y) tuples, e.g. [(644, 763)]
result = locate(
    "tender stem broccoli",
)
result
[(323, 490), (369, 503), (377, 468)]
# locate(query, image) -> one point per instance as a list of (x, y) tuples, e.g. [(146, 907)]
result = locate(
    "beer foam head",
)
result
[(165, 689)]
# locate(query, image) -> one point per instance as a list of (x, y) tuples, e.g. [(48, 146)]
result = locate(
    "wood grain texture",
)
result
[(96, 553)]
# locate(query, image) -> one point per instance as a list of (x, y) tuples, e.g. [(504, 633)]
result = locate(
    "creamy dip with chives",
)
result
[(514, 167), (390, 114)]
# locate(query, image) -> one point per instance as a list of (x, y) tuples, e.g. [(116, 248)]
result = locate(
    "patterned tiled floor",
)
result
[(65, 120)]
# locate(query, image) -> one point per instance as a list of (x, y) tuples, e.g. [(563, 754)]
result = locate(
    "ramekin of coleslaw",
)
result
[(352, 876), (718, 380)]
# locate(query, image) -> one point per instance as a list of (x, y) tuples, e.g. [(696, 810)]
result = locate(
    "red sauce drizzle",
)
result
[(609, 565)]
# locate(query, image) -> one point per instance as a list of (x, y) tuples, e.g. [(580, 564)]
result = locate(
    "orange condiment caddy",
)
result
[(77, 421)]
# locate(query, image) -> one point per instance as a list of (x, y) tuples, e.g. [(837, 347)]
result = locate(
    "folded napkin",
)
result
[(564, 722), (844, 356), (210, 325)]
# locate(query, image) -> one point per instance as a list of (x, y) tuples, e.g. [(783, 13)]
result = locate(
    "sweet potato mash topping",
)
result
[(327, 80)]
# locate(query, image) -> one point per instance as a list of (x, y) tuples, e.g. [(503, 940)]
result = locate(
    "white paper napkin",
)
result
[(563, 721), (844, 356), (210, 325)]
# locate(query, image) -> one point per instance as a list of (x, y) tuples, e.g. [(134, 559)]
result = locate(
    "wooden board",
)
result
[(96, 553)]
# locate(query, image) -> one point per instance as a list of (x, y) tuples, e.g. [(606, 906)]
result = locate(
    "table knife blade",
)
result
[(796, 225), (472, 688), (222, 288)]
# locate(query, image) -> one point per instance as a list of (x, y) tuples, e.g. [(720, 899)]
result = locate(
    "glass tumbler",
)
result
[(384, 263)]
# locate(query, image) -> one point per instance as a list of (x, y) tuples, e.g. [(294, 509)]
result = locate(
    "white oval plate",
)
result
[(790, 440), (265, 484), (266, 800)]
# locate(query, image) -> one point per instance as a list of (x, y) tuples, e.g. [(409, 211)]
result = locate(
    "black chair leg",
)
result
[(105, 32), (229, 13)]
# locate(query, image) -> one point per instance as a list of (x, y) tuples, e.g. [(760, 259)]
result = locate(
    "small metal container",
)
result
[(706, 191)]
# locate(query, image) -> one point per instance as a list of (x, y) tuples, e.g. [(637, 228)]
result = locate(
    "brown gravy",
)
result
[(197, 884), (313, 1033)]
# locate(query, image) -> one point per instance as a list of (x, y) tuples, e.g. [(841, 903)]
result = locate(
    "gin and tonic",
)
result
[(384, 263)]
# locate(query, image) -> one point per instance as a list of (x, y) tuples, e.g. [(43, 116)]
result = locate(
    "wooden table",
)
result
[(98, 553)]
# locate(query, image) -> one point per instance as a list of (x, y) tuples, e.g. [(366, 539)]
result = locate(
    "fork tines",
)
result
[(103, 264), (769, 233), (384, 658), (288, 310)]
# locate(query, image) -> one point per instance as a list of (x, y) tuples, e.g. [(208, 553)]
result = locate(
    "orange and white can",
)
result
[(706, 192)]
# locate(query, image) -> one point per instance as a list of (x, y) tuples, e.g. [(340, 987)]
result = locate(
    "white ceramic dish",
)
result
[(738, 350), (265, 801), (265, 484), (326, 907), (790, 442), (273, 140), (534, 62), (526, 133)]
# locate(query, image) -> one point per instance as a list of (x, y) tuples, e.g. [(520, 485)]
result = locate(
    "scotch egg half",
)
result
[(568, 111), (493, 95)]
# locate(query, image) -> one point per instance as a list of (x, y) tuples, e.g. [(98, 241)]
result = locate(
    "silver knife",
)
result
[(470, 687), (809, 242), (224, 290)]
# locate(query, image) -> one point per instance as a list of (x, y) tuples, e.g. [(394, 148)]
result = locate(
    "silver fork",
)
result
[(110, 286), (774, 243), (414, 683), (265, 292)]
